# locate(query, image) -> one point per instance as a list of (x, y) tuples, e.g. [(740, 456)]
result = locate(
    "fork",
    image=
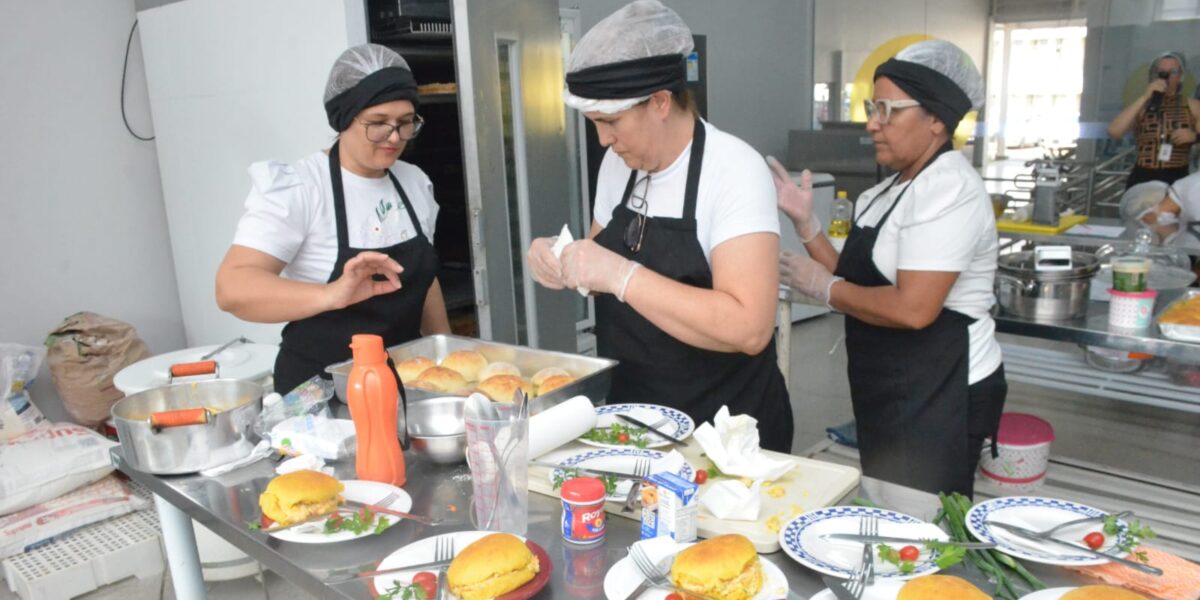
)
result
[(641, 469), (443, 552), (1050, 532), (869, 525), (857, 583), (655, 574)]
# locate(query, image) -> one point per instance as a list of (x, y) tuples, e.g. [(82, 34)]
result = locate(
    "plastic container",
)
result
[(374, 401), (583, 518), (1131, 310), (1129, 273), (1169, 267), (1023, 445), (1116, 361), (498, 456)]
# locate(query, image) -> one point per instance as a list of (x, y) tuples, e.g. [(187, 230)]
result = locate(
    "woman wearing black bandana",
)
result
[(339, 242), (681, 253), (914, 280)]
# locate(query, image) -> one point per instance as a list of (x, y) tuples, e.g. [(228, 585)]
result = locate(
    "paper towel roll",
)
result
[(560, 424)]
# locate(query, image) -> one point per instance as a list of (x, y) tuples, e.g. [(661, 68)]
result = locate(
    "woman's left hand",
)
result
[(1183, 136), (806, 276), (588, 265)]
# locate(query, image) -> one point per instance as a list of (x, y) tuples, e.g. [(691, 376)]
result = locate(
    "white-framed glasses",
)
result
[(882, 108)]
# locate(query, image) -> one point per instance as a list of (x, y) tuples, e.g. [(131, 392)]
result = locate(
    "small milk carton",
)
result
[(670, 507)]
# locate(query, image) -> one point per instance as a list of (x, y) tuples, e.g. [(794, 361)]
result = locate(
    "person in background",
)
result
[(1163, 120), (340, 242), (684, 238), (914, 279)]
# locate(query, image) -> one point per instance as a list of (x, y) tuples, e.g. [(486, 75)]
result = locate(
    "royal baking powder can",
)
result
[(583, 520)]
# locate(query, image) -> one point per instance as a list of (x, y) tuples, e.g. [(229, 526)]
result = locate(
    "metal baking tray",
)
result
[(594, 375), (1175, 331)]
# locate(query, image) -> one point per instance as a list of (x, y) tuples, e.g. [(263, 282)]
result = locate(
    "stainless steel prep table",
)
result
[(226, 503)]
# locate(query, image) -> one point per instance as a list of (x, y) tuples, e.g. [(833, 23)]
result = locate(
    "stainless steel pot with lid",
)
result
[(1025, 290)]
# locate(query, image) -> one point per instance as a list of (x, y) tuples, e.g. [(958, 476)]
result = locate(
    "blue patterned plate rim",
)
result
[(685, 471), (977, 523), (789, 540)]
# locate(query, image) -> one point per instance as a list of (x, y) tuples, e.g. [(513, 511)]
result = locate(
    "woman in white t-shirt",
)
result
[(684, 234), (340, 242), (914, 280)]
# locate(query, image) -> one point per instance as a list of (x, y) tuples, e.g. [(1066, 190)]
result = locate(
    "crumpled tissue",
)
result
[(564, 238), (731, 499), (731, 442)]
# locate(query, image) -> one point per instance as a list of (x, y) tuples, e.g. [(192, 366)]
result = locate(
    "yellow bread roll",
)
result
[(725, 567), (1102, 592), (411, 369), (468, 363), (937, 587), (300, 495), (444, 380), (501, 388), (491, 566)]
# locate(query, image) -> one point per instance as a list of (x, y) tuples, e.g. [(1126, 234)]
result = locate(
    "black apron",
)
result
[(656, 368), (909, 388), (309, 345)]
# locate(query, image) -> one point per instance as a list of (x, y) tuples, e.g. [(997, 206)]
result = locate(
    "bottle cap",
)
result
[(367, 348), (842, 194), (271, 399)]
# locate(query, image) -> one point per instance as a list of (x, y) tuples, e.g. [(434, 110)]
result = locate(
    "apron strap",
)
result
[(339, 212), (412, 214), (695, 164)]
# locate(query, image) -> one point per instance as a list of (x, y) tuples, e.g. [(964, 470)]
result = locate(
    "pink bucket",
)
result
[(1023, 445)]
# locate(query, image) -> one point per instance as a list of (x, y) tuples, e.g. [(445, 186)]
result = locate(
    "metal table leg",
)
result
[(182, 556)]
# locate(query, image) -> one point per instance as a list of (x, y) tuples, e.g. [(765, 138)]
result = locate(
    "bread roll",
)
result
[(545, 374), (300, 495), (491, 566), (501, 388), (553, 383), (468, 363), (1102, 592), (931, 587), (499, 368), (411, 369), (447, 381), (423, 385), (725, 567)]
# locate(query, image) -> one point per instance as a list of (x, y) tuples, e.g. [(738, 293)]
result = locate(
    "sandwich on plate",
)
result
[(299, 496), (491, 566), (725, 567)]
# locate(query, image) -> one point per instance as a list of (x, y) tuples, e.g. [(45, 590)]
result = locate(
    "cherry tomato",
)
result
[(427, 581), (909, 553), (701, 476), (674, 597), (266, 522), (1094, 540), (623, 438)]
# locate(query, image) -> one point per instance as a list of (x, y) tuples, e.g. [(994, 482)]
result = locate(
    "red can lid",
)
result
[(583, 489), (1020, 429)]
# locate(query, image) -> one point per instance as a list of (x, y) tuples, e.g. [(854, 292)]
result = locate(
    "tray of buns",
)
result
[(451, 365), (1181, 319)]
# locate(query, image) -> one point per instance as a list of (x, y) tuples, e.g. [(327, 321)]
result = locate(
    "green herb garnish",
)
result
[(357, 523), (253, 525), (562, 475), (402, 591), (891, 555), (1134, 536), (618, 434)]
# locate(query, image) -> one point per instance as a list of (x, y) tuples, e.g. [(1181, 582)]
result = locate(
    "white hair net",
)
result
[(640, 29), (951, 61), (356, 63)]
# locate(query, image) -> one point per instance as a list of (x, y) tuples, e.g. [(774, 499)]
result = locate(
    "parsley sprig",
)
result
[(403, 591), (562, 475), (634, 436), (1134, 536), (949, 554), (357, 523)]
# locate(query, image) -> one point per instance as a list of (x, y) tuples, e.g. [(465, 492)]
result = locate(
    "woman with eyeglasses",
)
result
[(1163, 120), (914, 279), (685, 233), (340, 242)]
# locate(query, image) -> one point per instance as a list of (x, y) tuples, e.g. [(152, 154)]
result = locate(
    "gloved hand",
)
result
[(806, 276), (589, 265), (796, 200), (543, 265)]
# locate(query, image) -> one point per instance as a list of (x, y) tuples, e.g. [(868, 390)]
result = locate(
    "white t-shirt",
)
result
[(943, 223), (736, 195), (290, 214)]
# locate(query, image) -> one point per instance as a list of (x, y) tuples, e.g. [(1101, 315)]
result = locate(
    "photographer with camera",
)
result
[(1163, 121)]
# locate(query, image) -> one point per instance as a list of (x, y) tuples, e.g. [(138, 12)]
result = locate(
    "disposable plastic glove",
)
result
[(545, 267), (806, 276), (796, 200), (591, 266)]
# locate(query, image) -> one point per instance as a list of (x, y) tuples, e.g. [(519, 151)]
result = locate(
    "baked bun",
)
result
[(499, 368), (1102, 592), (300, 495), (468, 363), (545, 374), (491, 566), (447, 381), (502, 388), (936, 587), (725, 567), (423, 385), (411, 369), (553, 383)]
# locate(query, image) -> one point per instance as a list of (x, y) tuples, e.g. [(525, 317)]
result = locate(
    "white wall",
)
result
[(759, 53), (84, 226)]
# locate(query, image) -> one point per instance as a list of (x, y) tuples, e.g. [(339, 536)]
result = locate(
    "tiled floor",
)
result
[(1157, 442)]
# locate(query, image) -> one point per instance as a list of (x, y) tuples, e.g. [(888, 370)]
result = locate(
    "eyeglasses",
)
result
[(636, 230), (882, 109), (379, 132)]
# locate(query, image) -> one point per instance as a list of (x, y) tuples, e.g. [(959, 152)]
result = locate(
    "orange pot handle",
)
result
[(179, 418), (204, 367)]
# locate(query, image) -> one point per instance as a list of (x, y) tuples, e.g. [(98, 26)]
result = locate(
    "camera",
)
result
[(1164, 75)]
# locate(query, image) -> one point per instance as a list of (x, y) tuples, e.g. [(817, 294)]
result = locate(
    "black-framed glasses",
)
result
[(635, 232), (379, 132)]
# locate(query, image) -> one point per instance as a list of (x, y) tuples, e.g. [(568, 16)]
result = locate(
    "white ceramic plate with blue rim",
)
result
[(664, 418), (1048, 594), (804, 539), (367, 492), (622, 460), (884, 590), (1040, 514)]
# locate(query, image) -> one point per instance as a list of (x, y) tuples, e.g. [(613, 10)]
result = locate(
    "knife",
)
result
[(417, 567), (617, 474), (643, 424), (1029, 534), (316, 519), (837, 586), (885, 539)]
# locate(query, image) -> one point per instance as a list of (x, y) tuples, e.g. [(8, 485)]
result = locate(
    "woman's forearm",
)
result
[(914, 303), (705, 318), (1127, 118), (433, 316), (254, 294)]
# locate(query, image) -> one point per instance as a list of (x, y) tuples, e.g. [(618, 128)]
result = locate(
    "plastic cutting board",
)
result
[(1064, 223)]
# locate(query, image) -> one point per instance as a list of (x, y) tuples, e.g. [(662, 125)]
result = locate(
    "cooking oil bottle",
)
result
[(842, 216)]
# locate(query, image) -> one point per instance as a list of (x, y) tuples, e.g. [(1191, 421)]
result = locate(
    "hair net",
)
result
[(365, 76), (356, 63), (951, 61), (637, 31), (1152, 72)]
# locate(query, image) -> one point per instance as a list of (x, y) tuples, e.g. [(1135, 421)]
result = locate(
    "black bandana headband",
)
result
[(630, 78), (937, 93), (384, 85)]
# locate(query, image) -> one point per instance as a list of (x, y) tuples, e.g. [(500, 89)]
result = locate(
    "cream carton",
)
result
[(670, 507)]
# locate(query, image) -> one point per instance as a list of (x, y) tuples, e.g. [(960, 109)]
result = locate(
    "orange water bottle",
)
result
[(373, 397)]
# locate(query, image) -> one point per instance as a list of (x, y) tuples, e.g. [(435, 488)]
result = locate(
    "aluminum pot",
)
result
[(1042, 295), (188, 427)]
